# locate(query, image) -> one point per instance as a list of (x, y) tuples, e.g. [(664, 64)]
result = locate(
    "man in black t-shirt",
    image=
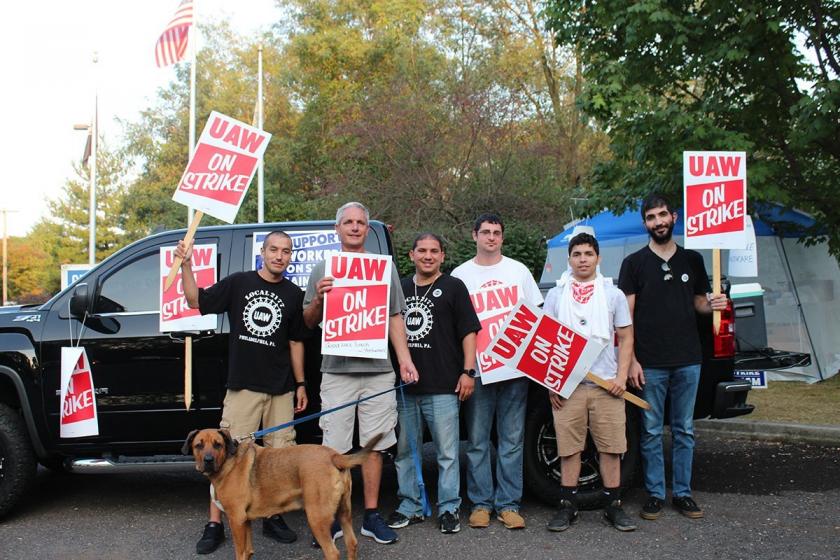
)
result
[(666, 286), (441, 327), (265, 383)]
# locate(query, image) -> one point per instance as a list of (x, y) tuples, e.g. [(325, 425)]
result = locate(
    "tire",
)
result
[(542, 465), (17, 460)]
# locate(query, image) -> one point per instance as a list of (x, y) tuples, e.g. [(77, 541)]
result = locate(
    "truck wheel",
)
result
[(17, 461), (542, 465)]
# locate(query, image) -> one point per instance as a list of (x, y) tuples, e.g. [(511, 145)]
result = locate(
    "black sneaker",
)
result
[(375, 527), (688, 507), (213, 536), (615, 515), (652, 509), (449, 522), (397, 520), (275, 528), (566, 516), (335, 531)]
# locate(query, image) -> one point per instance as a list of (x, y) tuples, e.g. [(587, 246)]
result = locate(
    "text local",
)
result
[(355, 322), (713, 217)]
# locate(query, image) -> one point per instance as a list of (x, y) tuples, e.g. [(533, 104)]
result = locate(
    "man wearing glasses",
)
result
[(495, 283), (666, 285)]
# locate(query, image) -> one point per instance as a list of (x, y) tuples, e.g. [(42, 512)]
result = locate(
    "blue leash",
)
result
[(418, 467)]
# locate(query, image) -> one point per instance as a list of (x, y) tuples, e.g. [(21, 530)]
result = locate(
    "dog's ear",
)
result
[(187, 449), (231, 445)]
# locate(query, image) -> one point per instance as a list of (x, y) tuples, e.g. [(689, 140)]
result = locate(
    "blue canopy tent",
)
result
[(801, 284)]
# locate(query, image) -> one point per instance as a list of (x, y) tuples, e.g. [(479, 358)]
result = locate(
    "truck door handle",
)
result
[(196, 335)]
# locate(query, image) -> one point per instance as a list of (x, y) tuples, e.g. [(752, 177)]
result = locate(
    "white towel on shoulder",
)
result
[(591, 318)]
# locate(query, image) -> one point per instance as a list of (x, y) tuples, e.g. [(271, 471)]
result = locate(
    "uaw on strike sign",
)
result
[(715, 199), (356, 309), (544, 349), (222, 166), (78, 399), (492, 302), (175, 314)]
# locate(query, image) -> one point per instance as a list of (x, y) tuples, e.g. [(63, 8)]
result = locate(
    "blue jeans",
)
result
[(504, 401), (681, 383), (440, 412)]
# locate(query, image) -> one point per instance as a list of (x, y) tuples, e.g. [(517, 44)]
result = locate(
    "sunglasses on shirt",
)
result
[(666, 268)]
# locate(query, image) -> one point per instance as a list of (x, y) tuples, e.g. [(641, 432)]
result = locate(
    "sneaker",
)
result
[(480, 518), (652, 509), (397, 520), (449, 522), (375, 527), (213, 536), (335, 531), (566, 516), (616, 516), (275, 527), (511, 519), (688, 507)]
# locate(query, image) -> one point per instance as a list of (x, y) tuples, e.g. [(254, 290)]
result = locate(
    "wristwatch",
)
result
[(471, 372), (300, 384)]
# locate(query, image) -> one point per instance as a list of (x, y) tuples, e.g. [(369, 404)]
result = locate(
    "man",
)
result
[(441, 326), (590, 304), (496, 283), (349, 378), (666, 286), (265, 358)]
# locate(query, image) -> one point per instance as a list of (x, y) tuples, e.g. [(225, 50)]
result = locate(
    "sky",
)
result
[(49, 82)]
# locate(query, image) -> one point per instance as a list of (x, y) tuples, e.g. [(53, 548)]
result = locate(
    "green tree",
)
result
[(665, 76)]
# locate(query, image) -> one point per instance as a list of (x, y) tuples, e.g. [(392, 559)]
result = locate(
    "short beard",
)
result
[(665, 238)]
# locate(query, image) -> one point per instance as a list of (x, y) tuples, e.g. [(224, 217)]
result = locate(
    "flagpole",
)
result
[(192, 41), (93, 142), (260, 168)]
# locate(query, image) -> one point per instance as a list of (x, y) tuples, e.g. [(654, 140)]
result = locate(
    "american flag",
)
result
[(172, 44)]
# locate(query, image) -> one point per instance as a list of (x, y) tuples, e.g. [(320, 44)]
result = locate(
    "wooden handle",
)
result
[(716, 287), (188, 372), (176, 264), (627, 396)]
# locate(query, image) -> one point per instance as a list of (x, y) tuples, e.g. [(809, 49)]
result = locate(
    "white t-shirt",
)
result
[(606, 364), (494, 291)]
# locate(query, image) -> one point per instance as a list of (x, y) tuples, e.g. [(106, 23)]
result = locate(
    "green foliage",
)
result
[(668, 76)]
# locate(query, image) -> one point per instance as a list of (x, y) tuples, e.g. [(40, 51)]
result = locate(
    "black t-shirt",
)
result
[(264, 316), (664, 321), (437, 319)]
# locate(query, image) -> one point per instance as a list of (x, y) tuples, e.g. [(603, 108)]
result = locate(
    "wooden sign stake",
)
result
[(188, 372), (716, 287), (187, 240), (627, 396)]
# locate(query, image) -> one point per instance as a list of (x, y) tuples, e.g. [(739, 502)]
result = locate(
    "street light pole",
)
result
[(94, 134)]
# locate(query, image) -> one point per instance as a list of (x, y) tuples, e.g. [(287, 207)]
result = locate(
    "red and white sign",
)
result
[(175, 314), (78, 398), (544, 349), (222, 166), (715, 199), (492, 302), (356, 309)]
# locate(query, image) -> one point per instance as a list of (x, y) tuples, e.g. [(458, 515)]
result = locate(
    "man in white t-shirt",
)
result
[(496, 283), (589, 303)]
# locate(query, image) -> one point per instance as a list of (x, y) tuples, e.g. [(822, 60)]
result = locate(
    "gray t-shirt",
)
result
[(347, 364)]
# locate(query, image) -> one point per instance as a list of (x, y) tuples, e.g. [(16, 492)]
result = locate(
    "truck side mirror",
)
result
[(79, 301)]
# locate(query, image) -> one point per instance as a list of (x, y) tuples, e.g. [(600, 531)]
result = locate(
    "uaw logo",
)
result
[(263, 313), (418, 318)]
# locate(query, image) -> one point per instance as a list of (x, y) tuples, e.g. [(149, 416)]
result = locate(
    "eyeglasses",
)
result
[(666, 268), (490, 233)]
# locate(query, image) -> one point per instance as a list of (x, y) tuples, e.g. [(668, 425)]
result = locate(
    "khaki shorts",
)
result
[(245, 411), (376, 416), (604, 414)]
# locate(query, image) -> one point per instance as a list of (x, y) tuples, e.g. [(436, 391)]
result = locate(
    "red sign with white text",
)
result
[(544, 349), (491, 302), (78, 397), (175, 314), (356, 318), (715, 199), (222, 166)]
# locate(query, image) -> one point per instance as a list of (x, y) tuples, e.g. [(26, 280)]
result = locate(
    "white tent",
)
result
[(801, 284)]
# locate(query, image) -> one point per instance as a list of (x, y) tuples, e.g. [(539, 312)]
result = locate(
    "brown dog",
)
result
[(253, 482)]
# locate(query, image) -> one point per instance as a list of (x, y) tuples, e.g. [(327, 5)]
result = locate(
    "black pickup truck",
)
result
[(138, 371)]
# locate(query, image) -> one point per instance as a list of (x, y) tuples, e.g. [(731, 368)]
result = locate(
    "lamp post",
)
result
[(90, 156)]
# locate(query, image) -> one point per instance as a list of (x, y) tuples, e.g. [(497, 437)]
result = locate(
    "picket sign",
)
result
[(188, 238), (715, 205), (78, 415), (548, 352)]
